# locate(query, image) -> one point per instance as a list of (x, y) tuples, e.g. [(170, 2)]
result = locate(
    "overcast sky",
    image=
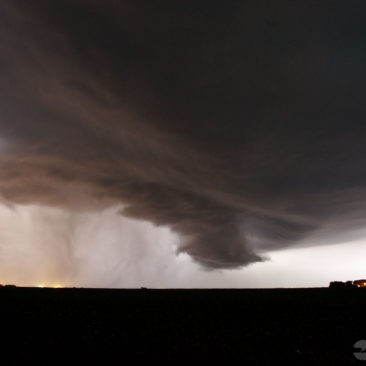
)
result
[(182, 143)]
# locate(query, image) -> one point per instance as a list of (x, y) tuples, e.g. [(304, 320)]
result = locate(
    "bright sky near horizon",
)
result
[(42, 246)]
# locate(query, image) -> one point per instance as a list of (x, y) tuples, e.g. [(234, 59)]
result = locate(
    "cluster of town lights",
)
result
[(361, 284), (348, 284)]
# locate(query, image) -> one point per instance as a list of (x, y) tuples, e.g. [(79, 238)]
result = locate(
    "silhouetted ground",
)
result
[(267, 326)]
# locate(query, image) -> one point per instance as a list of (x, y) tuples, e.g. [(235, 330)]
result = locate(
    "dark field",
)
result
[(89, 326)]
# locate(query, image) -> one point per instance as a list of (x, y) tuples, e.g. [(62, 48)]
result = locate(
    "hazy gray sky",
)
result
[(51, 247), (196, 143)]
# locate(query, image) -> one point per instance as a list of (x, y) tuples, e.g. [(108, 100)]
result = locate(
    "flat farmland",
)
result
[(250, 326)]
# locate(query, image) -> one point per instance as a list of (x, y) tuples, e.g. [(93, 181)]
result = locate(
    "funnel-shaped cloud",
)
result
[(239, 125)]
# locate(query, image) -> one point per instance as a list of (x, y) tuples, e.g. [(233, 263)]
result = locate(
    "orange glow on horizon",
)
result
[(50, 286)]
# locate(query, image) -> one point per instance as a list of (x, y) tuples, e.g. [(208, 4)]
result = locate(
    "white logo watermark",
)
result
[(360, 349)]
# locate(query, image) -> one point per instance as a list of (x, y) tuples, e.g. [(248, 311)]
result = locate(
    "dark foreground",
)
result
[(87, 326)]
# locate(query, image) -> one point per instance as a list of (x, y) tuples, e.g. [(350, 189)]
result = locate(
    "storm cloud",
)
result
[(238, 125)]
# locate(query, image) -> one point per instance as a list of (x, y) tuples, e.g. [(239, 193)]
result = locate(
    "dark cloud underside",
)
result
[(241, 125)]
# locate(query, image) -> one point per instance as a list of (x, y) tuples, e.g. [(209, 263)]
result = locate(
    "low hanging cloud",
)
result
[(238, 126)]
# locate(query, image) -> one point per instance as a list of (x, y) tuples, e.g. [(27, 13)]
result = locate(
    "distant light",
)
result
[(50, 286)]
